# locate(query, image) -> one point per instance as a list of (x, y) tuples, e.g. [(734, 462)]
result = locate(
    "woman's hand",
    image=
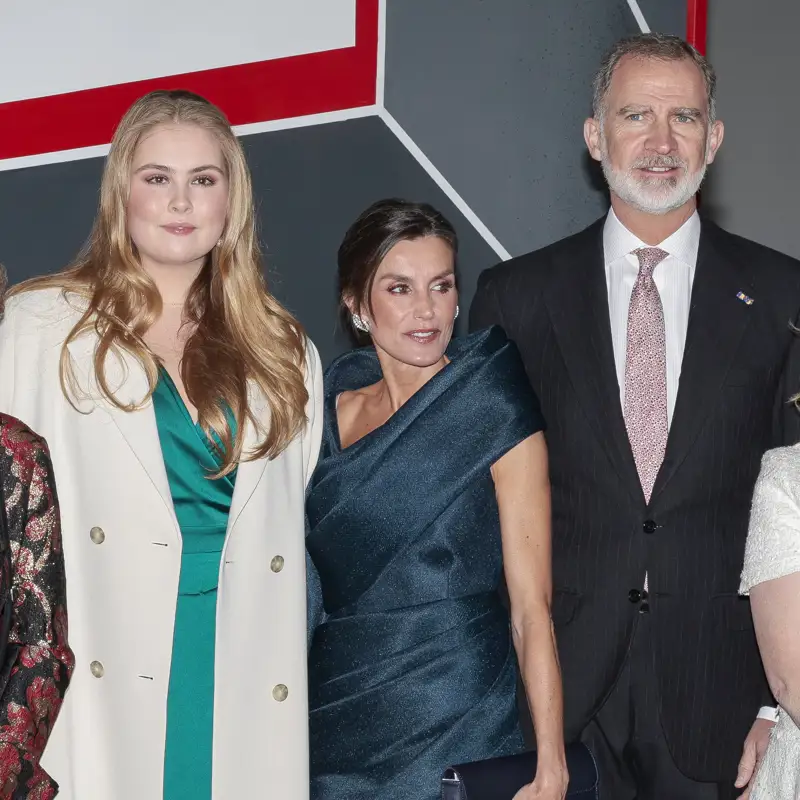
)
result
[(549, 784)]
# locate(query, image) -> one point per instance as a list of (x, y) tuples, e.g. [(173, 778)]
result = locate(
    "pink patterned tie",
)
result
[(646, 372)]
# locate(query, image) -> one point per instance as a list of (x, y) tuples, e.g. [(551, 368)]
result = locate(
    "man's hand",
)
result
[(755, 745)]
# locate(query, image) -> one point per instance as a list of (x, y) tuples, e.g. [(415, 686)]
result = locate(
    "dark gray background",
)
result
[(493, 91), (496, 96), (667, 17), (753, 186)]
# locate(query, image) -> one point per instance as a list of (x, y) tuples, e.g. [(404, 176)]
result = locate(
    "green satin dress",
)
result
[(201, 506)]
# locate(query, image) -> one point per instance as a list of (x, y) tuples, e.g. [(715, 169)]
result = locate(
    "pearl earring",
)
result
[(219, 241), (359, 323), (456, 314)]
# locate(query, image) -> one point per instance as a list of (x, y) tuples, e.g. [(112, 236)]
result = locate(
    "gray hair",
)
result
[(661, 46)]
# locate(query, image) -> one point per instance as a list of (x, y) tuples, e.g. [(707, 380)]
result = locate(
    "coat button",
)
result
[(649, 526), (97, 535), (280, 692), (97, 669), (634, 595), (276, 565)]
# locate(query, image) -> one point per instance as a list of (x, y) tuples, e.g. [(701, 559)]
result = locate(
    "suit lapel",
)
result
[(717, 322), (577, 300), (138, 428)]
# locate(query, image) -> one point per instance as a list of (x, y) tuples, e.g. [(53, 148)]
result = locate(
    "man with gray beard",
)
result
[(661, 350)]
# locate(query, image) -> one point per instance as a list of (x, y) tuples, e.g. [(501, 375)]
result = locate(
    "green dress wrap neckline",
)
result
[(202, 506)]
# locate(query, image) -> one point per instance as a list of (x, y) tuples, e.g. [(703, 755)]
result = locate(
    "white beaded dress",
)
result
[(773, 551)]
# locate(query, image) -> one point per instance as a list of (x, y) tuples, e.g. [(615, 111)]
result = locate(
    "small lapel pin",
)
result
[(748, 301)]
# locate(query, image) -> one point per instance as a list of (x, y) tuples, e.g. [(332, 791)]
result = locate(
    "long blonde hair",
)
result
[(242, 334)]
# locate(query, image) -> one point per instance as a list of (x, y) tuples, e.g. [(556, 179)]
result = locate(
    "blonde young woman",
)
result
[(181, 404)]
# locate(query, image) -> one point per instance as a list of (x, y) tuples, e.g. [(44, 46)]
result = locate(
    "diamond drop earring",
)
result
[(456, 315), (360, 324)]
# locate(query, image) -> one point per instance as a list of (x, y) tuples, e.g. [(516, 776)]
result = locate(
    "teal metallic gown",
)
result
[(412, 668), (201, 506)]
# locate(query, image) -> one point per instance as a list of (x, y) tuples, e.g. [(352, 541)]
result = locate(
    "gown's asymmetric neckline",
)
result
[(201, 506), (336, 435), (412, 668)]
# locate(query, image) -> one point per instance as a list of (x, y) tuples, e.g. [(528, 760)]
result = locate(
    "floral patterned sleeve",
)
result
[(38, 661)]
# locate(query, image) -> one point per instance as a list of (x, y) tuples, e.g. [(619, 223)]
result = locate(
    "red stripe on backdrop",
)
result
[(259, 92), (697, 24)]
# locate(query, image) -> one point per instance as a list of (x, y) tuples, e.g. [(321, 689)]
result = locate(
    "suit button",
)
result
[(276, 565), (97, 669), (97, 535), (280, 692), (634, 595), (649, 526)]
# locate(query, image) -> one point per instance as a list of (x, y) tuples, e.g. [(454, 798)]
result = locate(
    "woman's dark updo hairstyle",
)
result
[(373, 235)]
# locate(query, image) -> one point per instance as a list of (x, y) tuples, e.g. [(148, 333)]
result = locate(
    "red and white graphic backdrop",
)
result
[(414, 112), (71, 69)]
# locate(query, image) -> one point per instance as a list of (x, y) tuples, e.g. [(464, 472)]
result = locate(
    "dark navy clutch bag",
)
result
[(502, 778)]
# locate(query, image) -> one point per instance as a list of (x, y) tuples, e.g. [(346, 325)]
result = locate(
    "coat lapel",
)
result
[(249, 473), (717, 322), (577, 300), (128, 380), (138, 428)]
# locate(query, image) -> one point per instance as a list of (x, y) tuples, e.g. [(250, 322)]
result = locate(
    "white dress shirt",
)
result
[(673, 278)]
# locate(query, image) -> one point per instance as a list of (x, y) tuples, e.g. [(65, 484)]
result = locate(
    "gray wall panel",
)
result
[(753, 187), (45, 215), (311, 183), (495, 94), (665, 16)]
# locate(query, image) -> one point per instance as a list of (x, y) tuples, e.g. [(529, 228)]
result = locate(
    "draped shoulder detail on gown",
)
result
[(413, 667)]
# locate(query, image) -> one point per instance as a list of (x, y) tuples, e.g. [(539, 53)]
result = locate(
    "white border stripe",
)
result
[(637, 12), (97, 151), (381, 73), (305, 122), (443, 183), (54, 158)]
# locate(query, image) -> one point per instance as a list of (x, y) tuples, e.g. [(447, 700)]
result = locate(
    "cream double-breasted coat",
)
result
[(122, 550)]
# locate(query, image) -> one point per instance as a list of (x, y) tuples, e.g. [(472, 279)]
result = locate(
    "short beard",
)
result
[(653, 195)]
